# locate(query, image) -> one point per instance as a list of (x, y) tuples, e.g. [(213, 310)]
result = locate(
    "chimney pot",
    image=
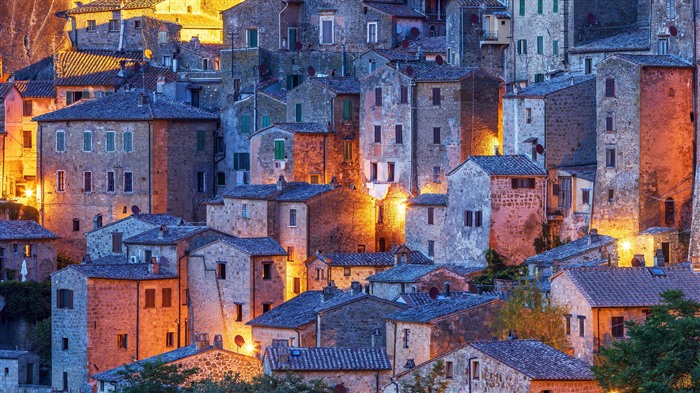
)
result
[(218, 341), (153, 266), (281, 183)]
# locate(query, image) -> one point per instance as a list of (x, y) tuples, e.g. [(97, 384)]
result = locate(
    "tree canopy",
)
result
[(433, 382)]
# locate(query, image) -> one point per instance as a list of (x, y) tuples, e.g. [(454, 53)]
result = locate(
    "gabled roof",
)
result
[(174, 234), (428, 200), (291, 192), (429, 71), (406, 272), (304, 192), (275, 91), (112, 5), (11, 354), (401, 11), (301, 128), (536, 360), (380, 259), (119, 271), (432, 45), (4, 89), (665, 61), (586, 172), (36, 89), (554, 85), (571, 249), (24, 230), (293, 313), (128, 106), (505, 166), (658, 230), (327, 359), (414, 299), (633, 40), (632, 286), (348, 297), (440, 308), (339, 85), (153, 219), (253, 246), (253, 191)]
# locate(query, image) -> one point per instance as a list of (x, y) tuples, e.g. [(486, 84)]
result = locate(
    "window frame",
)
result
[(60, 148), (252, 38), (113, 136), (372, 36), (87, 181), (128, 141), (617, 327), (130, 176), (322, 29), (292, 218), (87, 141)]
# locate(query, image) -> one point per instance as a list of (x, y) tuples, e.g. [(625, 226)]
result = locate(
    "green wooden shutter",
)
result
[(555, 6), (245, 124), (540, 45), (539, 7), (347, 110), (266, 121), (279, 150), (522, 7), (201, 140), (297, 112)]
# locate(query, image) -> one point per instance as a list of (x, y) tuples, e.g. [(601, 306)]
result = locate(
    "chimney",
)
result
[(356, 287), (175, 65), (194, 41), (163, 231), (447, 289), (153, 266), (281, 183), (593, 236), (512, 335), (218, 341), (12, 78), (160, 84), (142, 100), (328, 291), (659, 258), (420, 56), (202, 341), (334, 182)]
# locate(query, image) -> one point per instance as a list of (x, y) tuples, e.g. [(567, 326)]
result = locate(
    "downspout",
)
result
[(255, 105), (137, 318), (150, 166), (342, 59), (566, 33), (122, 31), (546, 180), (461, 36), (376, 381), (179, 301), (2, 183), (393, 359), (392, 382), (597, 341), (279, 18), (298, 336), (413, 182), (318, 330)]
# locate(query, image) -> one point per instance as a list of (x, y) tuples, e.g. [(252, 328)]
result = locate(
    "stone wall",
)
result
[(228, 217), (355, 381), (303, 336), (419, 343), (516, 128), (565, 294), (17, 372), (73, 325), (264, 168), (99, 242), (419, 232), (458, 329), (217, 363), (40, 262)]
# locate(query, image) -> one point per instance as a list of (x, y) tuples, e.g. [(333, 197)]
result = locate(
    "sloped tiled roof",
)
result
[(370, 259), (174, 235), (153, 219), (634, 40), (128, 106), (116, 374), (339, 85), (570, 249), (536, 360), (256, 246), (304, 192), (586, 172), (632, 286), (440, 308), (395, 9), (328, 359), (542, 89), (293, 313), (433, 45), (658, 230), (505, 166), (275, 91), (24, 230), (429, 71), (112, 5), (4, 89), (479, 3), (670, 61), (10, 354), (120, 271), (292, 191), (253, 191), (414, 299), (403, 273), (36, 89), (429, 200), (395, 54), (303, 128)]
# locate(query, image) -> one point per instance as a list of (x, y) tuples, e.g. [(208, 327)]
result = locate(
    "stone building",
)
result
[(423, 332), (636, 186), (346, 268), (26, 243), (344, 369), (408, 277), (95, 163), (326, 318), (108, 313), (425, 219), (570, 201), (212, 362), (508, 366), (601, 299), (109, 239), (19, 368)]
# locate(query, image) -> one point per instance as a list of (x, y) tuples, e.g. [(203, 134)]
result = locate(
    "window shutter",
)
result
[(70, 299), (279, 150), (522, 7), (347, 110)]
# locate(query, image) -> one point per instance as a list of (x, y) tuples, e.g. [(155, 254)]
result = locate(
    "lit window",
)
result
[(122, 341)]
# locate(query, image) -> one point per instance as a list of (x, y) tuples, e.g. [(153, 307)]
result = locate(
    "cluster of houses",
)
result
[(311, 186)]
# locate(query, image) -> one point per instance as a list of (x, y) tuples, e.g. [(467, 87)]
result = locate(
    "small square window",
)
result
[(169, 339), (122, 341), (221, 270), (346, 272), (267, 271)]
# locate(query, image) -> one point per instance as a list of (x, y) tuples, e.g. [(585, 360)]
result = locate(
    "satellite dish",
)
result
[(263, 69), (405, 43), (434, 293), (163, 261), (297, 45), (439, 60), (340, 389), (673, 30), (475, 19), (590, 18), (415, 32), (409, 71), (539, 149), (135, 209), (311, 71), (148, 53), (239, 340)]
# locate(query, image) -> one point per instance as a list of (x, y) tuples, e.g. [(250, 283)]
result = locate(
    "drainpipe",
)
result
[(392, 382), (2, 181), (342, 59), (255, 105), (122, 29), (393, 360), (137, 319), (279, 17), (318, 330), (413, 182), (298, 336), (566, 33), (376, 381), (41, 167)]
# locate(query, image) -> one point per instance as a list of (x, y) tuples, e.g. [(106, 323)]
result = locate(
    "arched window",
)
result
[(432, 31), (669, 212)]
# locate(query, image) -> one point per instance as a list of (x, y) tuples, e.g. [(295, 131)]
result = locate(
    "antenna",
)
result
[(405, 43), (239, 340), (298, 45), (163, 261), (263, 69)]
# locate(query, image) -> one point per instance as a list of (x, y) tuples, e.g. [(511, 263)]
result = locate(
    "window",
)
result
[(290, 253), (150, 298), (373, 171), (27, 250), (265, 121), (403, 99), (60, 141), (555, 46), (292, 34), (406, 334), (611, 195), (431, 215), (361, 248), (267, 271), (167, 61), (64, 298), (297, 285), (436, 174), (610, 87), (113, 25), (122, 341), (251, 38), (610, 158), (564, 191), (669, 212), (244, 210), (539, 7), (169, 339), (522, 46), (292, 217), (326, 31), (609, 124), (109, 141), (390, 171), (372, 32), (201, 182), (314, 179), (568, 324), (128, 182), (65, 381), (377, 134), (449, 370), (64, 342), (522, 182), (436, 135), (128, 141), (555, 6), (162, 37), (378, 96), (372, 66), (26, 108), (670, 10), (468, 218), (347, 110), (663, 46), (241, 161), (266, 307), (87, 181), (436, 96), (245, 124), (298, 112), (380, 214), (581, 325), (540, 45), (586, 196), (431, 248), (346, 271), (137, 25), (475, 368), (478, 218), (522, 7), (617, 327), (91, 25), (347, 151), (221, 270), (220, 178), (239, 312), (166, 297), (528, 115), (75, 96), (116, 242), (293, 81), (588, 66), (539, 78), (399, 134), (27, 139), (87, 141), (201, 140), (76, 225)]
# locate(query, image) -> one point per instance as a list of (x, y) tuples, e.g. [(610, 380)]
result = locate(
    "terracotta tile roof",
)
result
[(403, 273), (440, 308), (128, 106), (112, 5), (293, 313), (5, 89), (586, 172), (303, 128), (256, 246), (536, 360), (339, 85), (632, 286), (24, 230), (253, 191), (10, 354), (571, 249), (634, 40), (415, 299), (304, 192), (175, 234), (401, 11), (395, 54), (380, 259), (559, 83), (327, 359), (120, 271), (658, 230), (275, 91), (505, 166), (36, 89), (154, 219), (292, 192), (428, 45), (670, 61), (429, 71), (429, 200)]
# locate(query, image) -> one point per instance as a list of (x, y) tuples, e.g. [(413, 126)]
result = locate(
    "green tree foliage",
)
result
[(29, 300), (497, 269), (156, 377), (65, 260), (530, 315), (662, 355), (433, 382), (288, 383), (41, 341), (547, 241)]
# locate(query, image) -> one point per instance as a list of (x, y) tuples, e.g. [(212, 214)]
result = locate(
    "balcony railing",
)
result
[(490, 35)]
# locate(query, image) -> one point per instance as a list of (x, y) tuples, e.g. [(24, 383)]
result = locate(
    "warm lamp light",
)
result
[(28, 193), (249, 348), (626, 246)]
